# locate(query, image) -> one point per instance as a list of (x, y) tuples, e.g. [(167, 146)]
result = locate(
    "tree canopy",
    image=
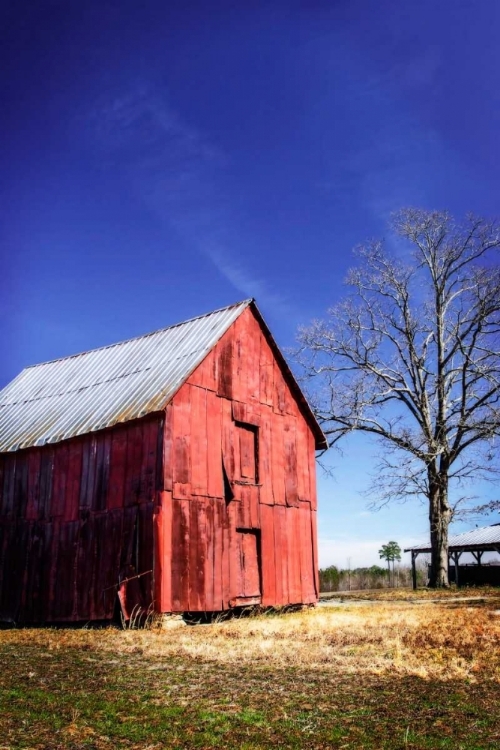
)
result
[(411, 356)]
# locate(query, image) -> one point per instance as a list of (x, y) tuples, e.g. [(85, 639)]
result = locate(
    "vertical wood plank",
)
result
[(280, 388), (34, 462), (208, 602), (306, 555), (268, 561), (118, 463), (168, 451), (148, 466), (2, 465), (235, 583), (133, 463), (8, 485), (219, 507), (247, 452), (196, 556), (199, 441), (314, 537), (75, 459), (293, 534), (225, 366), (281, 555), (103, 459), (163, 553), (84, 476), (302, 460), (278, 461), (61, 471), (250, 564), (65, 572), (251, 359), (21, 485), (215, 486), (313, 498), (266, 373), (290, 454), (182, 442), (265, 457), (85, 569), (46, 476), (146, 554), (229, 454), (180, 555)]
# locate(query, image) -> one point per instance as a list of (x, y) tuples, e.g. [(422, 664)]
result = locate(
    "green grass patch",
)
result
[(103, 698)]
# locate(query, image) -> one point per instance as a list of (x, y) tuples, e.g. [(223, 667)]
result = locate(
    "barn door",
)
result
[(241, 481), (249, 564)]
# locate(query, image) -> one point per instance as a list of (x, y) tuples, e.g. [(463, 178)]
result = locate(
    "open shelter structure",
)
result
[(172, 472), (477, 542)]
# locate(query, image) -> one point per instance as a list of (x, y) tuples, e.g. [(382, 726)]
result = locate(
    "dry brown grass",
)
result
[(382, 676), (428, 640)]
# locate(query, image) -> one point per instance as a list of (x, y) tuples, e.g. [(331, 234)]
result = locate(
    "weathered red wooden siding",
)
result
[(239, 502), (74, 518)]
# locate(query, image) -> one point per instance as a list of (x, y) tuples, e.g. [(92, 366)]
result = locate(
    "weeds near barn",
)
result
[(383, 676)]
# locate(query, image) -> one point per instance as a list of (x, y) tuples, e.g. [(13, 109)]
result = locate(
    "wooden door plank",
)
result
[(250, 565)]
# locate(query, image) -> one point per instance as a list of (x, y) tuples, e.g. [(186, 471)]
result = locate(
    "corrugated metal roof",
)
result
[(85, 392), (486, 535)]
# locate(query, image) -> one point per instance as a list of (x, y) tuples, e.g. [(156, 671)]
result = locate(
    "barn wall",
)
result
[(75, 516), (239, 500)]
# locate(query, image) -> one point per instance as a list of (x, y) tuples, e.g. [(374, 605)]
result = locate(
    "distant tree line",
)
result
[(374, 577)]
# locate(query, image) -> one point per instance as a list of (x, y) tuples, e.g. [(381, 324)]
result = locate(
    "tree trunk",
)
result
[(439, 517)]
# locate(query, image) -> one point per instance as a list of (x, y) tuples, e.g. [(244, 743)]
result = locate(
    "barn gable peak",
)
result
[(99, 388)]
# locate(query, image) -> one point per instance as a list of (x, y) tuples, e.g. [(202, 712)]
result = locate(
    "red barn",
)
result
[(176, 469)]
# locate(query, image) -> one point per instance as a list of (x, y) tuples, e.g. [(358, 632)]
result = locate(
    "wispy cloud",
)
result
[(179, 175)]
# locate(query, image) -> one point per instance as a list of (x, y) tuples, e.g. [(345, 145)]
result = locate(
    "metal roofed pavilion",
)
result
[(486, 538), (477, 541)]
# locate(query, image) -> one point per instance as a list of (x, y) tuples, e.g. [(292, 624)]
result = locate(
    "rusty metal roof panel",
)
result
[(486, 535), (85, 392)]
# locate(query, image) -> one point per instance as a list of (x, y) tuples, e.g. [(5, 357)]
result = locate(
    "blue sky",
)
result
[(160, 160)]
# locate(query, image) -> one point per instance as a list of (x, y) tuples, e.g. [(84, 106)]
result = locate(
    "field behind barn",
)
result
[(389, 674)]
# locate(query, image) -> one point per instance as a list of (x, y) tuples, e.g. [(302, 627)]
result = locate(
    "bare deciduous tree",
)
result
[(411, 356)]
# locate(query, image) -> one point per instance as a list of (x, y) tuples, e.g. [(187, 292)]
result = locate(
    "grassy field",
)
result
[(388, 675)]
